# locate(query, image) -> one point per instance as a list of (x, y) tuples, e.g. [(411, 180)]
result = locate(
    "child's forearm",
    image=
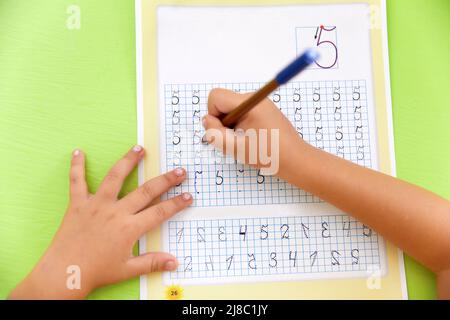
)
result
[(412, 218), (48, 280)]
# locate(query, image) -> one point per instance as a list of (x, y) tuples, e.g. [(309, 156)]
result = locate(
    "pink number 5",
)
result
[(319, 43)]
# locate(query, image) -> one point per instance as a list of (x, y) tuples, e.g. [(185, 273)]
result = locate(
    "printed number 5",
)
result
[(325, 43)]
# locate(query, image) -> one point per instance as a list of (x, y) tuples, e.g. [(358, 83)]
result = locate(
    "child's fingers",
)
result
[(149, 191), (225, 139), (112, 184), (151, 262), (157, 214), (78, 186), (222, 101)]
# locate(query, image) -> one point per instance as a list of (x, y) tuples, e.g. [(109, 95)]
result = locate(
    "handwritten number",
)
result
[(264, 232), (305, 231), (176, 138), (313, 258), (355, 256), (325, 230), (347, 229), (357, 113), (360, 153), (252, 261), (219, 178), (284, 231), (197, 173), (175, 99), (222, 234), (319, 134), (197, 138), (230, 261), (196, 117), (273, 260), (358, 132), (188, 263), (356, 94), (339, 133), (243, 231), (201, 234), (316, 95), (176, 117), (335, 258), (260, 178), (293, 257), (195, 99), (336, 95), (180, 234), (367, 232), (276, 98), (210, 264)]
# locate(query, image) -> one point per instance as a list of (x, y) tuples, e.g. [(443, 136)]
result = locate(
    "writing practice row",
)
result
[(331, 115), (296, 246)]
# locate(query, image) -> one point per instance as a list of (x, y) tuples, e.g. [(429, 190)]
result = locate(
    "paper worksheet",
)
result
[(248, 231)]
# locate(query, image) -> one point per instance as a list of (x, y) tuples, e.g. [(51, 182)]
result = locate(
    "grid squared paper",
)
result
[(331, 115), (296, 246)]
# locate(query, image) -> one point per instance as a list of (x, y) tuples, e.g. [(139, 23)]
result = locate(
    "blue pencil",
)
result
[(294, 68)]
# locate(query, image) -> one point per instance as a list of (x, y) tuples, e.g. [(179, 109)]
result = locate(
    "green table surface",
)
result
[(62, 89)]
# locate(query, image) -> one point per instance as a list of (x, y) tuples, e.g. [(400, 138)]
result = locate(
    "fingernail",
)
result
[(170, 266), (239, 132), (179, 172), (207, 139), (187, 196), (76, 153), (137, 148)]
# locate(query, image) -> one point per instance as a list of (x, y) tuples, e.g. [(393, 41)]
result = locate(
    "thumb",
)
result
[(212, 122), (219, 136), (151, 262)]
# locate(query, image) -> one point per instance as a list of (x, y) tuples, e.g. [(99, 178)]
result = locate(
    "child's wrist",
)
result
[(50, 279), (298, 155)]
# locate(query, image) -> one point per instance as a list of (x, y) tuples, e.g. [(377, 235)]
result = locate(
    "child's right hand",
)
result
[(265, 115), (377, 200)]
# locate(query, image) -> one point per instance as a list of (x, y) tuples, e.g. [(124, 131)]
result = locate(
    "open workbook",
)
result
[(248, 235)]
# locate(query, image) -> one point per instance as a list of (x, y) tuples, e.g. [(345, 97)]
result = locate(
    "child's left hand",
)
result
[(97, 235)]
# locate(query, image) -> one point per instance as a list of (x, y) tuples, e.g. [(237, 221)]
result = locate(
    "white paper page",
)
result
[(245, 226)]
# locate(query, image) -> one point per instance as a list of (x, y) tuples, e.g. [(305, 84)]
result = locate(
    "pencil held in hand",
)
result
[(293, 69)]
